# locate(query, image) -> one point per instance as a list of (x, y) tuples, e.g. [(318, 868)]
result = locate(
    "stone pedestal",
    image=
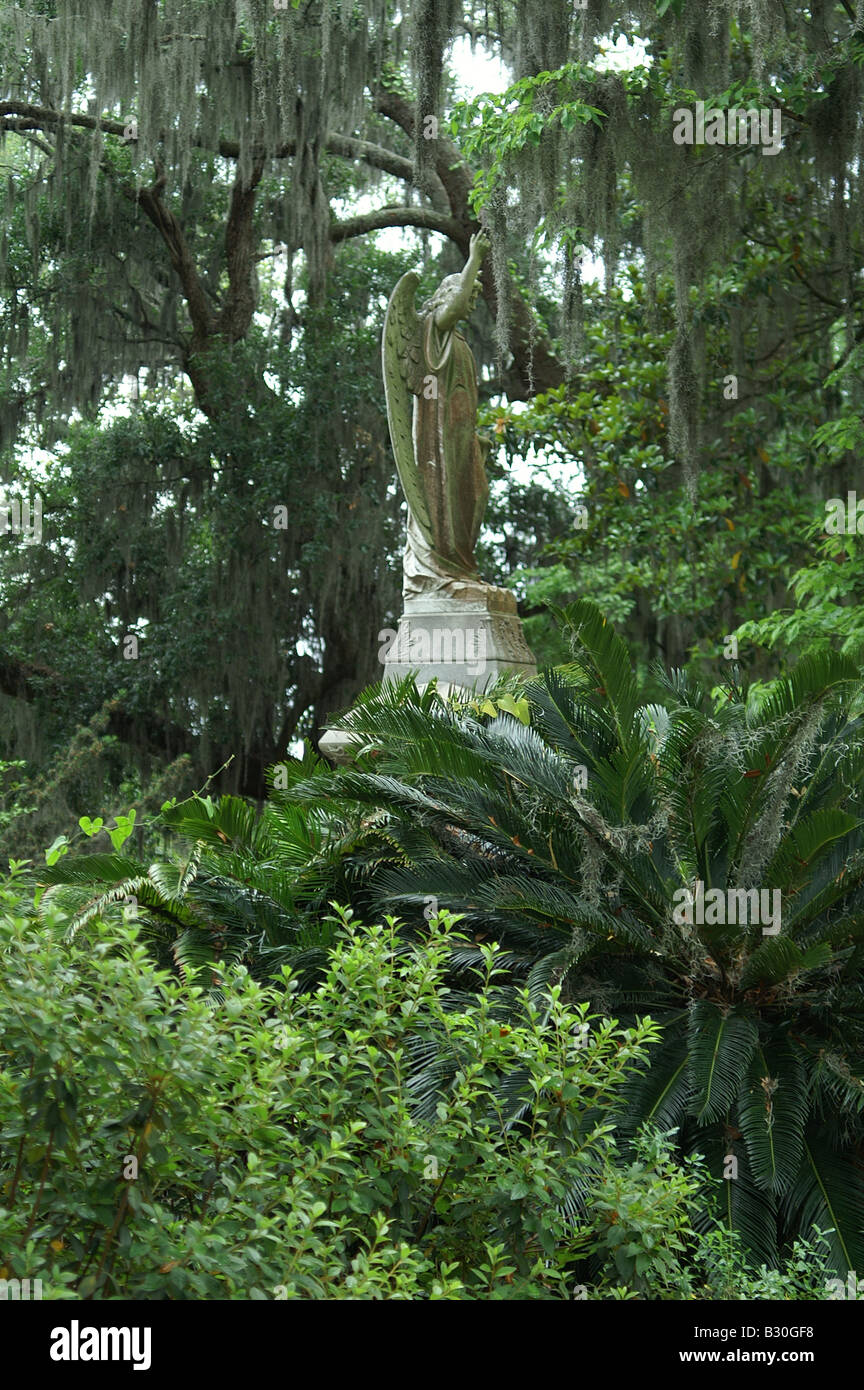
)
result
[(335, 745), (464, 642)]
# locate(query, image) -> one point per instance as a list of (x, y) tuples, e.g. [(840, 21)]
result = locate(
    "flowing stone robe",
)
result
[(450, 468), (430, 381)]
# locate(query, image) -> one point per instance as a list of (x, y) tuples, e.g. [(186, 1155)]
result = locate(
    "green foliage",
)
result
[(727, 1273), (649, 1216), (718, 264), (153, 1146), (270, 1146), (239, 888), (165, 527), (645, 1226), (13, 792), (515, 122), (93, 769), (681, 570), (713, 400)]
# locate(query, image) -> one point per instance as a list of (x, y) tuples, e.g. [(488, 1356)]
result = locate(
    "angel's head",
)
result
[(449, 288)]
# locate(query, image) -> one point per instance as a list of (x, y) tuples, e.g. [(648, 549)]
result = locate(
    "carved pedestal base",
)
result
[(466, 643), (335, 746)]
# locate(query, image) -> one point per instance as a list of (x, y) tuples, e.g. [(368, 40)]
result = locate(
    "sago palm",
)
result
[(574, 839), (239, 886)]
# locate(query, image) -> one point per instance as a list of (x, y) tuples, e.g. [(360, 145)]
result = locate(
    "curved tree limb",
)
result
[(426, 218), (236, 315), (23, 116)]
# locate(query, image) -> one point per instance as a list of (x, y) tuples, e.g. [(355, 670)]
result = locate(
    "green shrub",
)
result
[(274, 1136), (727, 1274), (646, 1215), (156, 1142)]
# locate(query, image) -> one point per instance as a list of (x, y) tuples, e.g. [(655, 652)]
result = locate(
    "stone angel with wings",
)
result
[(430, 380)]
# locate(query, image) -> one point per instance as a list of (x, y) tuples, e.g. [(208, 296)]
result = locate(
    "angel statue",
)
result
[(430, 382)]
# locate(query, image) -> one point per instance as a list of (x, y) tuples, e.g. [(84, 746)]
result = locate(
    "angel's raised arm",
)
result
[(459, 304)]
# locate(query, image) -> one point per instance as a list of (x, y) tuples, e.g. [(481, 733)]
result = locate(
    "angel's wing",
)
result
[(402, 362)]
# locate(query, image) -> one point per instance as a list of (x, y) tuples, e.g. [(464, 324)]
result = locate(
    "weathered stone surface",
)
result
[(336, 746), (463, 646), (430, 384), (467, 644)]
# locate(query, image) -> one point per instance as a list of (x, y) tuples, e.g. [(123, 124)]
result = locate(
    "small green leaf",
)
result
[(520, 709), (57, 850), (123, 829)]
